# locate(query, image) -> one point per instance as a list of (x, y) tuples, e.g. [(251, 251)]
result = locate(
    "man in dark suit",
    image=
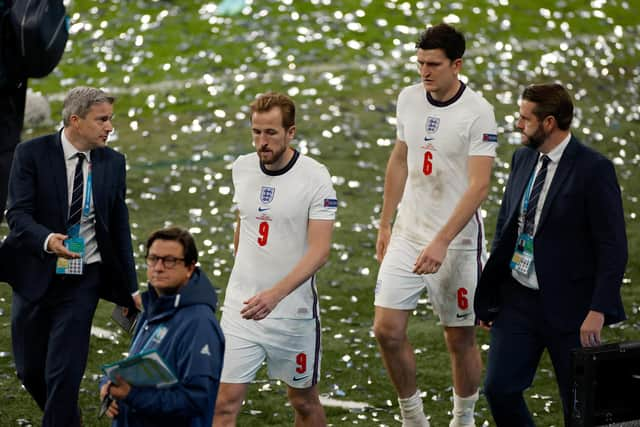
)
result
[(69, 244), (558, 257)]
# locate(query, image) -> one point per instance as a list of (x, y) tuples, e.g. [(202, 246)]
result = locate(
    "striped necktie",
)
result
[(75, 210), (534, 196)]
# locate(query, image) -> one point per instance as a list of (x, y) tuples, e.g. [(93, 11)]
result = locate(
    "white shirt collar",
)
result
[(556, 153), (69, 150)]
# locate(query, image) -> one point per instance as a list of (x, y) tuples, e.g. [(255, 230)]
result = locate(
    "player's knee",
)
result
[(306, 406), (227, 408), (387, 335), (460, 340)]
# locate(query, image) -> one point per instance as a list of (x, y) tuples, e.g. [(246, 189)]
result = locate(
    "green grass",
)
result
[(344, 62)]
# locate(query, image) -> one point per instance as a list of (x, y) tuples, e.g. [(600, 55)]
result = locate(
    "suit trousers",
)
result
[(519, 335), (50, 340)]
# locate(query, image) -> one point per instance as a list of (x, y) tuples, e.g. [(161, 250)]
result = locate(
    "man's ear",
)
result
[(291, 132), (190, 270)]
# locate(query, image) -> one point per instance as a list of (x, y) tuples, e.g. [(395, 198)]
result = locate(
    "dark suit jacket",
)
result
[(38, 205), (580, 245)]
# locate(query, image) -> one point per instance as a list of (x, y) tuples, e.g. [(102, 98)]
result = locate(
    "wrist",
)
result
[(443, 239)]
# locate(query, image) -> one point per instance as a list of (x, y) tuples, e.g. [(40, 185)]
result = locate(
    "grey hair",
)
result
[(79, 100)]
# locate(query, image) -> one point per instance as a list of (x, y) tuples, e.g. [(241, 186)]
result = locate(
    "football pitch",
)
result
[(184, 77)]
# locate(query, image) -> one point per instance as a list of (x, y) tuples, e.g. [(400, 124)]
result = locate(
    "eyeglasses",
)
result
[(167, 261)]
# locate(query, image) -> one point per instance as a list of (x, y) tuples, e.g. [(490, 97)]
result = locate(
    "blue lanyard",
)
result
[(87, 197), (527, 193), (140, 332)]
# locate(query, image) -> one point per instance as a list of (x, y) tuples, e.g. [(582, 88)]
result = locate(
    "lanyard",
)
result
[(87, 197), (146, 344), (527, 193)]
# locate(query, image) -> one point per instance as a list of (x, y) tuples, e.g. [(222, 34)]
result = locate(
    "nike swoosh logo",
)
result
[(263, 209), (462, 316), (426, 138), (300, 378)]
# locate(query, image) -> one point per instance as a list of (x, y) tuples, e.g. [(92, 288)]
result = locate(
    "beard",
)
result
[(536, 140), (269, 157)]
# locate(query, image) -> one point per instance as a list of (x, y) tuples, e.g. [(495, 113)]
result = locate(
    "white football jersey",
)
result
[(274, 212), (440, 138)]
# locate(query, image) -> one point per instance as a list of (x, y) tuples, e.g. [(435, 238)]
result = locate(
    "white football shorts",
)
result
[(450, 290), (291, 348)]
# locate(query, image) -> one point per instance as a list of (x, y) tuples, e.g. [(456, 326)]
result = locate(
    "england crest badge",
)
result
[(432, 124), (266, 194)]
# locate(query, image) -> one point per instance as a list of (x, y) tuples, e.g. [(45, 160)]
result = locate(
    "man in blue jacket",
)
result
[(179, 323)]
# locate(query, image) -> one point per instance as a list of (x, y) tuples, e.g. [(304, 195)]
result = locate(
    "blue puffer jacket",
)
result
[(185, 332)]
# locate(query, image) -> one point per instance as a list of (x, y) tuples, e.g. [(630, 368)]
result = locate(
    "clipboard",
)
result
[(145, 369)]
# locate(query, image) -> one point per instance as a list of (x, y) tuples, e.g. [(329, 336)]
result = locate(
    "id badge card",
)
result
[(523, 254), (72, 266)]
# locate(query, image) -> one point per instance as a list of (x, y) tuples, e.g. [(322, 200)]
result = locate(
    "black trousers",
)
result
[(50, 341), (519, 336)]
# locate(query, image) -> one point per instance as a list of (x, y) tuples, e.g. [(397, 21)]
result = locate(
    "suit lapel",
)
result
[(97, 180), (59, 175), (521, 181), (562, 172)]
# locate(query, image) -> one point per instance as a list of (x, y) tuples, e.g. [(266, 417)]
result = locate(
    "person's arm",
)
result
[(22, 202), (610, 244), (121, 231), (432, 256), (236, 234), (262, 304), (394, 182)]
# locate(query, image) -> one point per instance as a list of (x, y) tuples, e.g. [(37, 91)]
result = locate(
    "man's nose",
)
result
[(262, 140)]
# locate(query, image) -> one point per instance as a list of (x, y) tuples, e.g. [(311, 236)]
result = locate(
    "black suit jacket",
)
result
[(580, 245), (38, 205)]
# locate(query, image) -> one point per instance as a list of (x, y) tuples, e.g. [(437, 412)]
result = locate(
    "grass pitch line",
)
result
[(344, 404)]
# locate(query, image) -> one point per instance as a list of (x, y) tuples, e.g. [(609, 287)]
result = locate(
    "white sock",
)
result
[(463, 410), (412, 411)]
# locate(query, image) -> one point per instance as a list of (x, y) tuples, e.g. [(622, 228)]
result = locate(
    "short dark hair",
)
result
[(445, 37), (551, 100), (179, 235), (270, 100)]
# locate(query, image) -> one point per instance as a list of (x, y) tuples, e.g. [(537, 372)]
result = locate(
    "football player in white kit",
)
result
[(438, 174), (286, 210)]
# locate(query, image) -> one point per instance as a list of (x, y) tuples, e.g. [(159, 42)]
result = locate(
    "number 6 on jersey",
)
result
[(427, 167)]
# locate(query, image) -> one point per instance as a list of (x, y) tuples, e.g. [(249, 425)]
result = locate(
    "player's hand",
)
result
[(431, 258), (384, 235), (56, 245), (260, 305), (591, 328), (121, 389)]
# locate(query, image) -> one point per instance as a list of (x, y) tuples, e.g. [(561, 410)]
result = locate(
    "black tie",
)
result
[(538, 183), (75, 211)]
